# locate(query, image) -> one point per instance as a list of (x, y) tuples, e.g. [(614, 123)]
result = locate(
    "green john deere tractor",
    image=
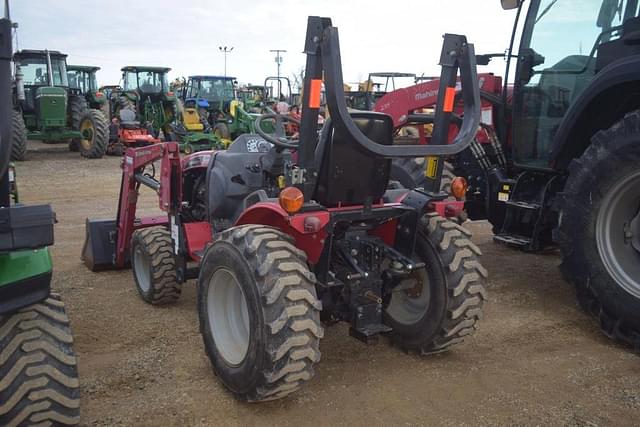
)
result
[(38, 370), (46, 108), (83, 78), (146, 92)]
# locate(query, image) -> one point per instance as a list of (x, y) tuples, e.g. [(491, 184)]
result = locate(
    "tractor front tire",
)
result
[(154, 266), (18, 137), (259, 313), (38, 368), (445, 301), (597, 230), (95, 146)]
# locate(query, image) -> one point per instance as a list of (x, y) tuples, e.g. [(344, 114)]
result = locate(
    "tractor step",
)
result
[(369, 333), (512, 240), (523, 205)]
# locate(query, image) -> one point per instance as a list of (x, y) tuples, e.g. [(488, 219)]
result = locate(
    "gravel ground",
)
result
[(535, 360)]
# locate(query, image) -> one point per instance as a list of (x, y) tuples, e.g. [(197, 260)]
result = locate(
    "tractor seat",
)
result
[(128, 119), (191, 120), (347, 173)]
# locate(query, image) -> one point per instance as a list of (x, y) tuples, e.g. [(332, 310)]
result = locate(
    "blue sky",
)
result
[(375, 36)]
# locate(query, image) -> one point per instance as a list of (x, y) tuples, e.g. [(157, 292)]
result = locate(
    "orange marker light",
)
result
[(449, 97), (291, 199), (459, 187), (314, 93)]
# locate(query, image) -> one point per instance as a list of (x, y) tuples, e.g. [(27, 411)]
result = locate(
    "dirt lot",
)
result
[(536, 359)]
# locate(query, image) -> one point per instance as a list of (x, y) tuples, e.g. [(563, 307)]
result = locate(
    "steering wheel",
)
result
[(278, 138)]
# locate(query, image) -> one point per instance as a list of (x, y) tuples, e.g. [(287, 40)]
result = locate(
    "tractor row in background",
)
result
[(47, 108)]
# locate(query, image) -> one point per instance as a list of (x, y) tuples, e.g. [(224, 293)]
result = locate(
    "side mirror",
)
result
[(510, 4)]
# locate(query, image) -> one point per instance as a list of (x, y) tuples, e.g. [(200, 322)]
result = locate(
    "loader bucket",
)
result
[(99, 250)]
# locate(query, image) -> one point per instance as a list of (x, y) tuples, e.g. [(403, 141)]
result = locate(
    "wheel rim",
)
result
[(87, 131), (617, 233), (228, 316), (410, 299), (142, 269)]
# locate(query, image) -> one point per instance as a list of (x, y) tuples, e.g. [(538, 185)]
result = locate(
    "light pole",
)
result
[(279, 62), (225, 50)]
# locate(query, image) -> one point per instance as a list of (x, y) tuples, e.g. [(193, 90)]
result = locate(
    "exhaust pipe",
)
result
[(49, 69), (19, 84)]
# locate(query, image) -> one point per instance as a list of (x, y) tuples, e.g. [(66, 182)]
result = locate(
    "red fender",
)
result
[(307, 228)]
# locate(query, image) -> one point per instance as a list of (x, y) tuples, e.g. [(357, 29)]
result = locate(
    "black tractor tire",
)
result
[(453, 290), (154, 266), (18, 137), (38, 368), (222, 130), (77, 108), (409, 173), (282, 324), (95, 147), (590, 191), (126, 103)]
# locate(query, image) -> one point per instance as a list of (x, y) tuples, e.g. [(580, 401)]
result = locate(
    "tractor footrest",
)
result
[(369, 334), (512, 240)]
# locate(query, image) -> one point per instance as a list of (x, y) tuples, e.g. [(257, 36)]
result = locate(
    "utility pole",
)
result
[(279, 62), (225, 50)]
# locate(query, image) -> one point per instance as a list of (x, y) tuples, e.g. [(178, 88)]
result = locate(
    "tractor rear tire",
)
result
[(126, 103), (259, 314), (77, 108), (154, 266), (221, 130), (18, 137), (409, 172), (595, 231), (449, 296), (38, 368), (96, 146)]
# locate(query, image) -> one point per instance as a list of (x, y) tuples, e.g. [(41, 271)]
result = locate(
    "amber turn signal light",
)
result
[(459, 187), (291, 199)]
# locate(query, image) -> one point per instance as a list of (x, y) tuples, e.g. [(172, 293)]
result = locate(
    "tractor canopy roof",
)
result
[(30, 53), (391, 74), (202, 77), (88, 68), (135, 68)]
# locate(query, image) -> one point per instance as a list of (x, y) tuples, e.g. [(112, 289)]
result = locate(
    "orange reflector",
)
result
[(291, 199), (169, 93), (459, 187), (449, 98), (314, 93)]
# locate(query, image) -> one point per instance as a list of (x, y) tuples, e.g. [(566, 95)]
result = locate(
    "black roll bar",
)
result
[(456, 55)]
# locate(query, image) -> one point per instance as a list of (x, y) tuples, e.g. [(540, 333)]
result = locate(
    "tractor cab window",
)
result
[(82, 80), (145, 81), (34, 71), (556, 62), (214, 90)]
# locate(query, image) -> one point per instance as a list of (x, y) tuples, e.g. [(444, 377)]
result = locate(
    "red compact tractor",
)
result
[(288, 234), (125, 132)]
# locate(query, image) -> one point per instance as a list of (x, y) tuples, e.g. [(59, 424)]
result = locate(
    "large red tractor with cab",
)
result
[(555, 162), (294, 233)]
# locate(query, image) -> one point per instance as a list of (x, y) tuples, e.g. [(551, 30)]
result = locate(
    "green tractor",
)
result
[(83, 78), (46, 108), (38, 368), (146, 91)]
